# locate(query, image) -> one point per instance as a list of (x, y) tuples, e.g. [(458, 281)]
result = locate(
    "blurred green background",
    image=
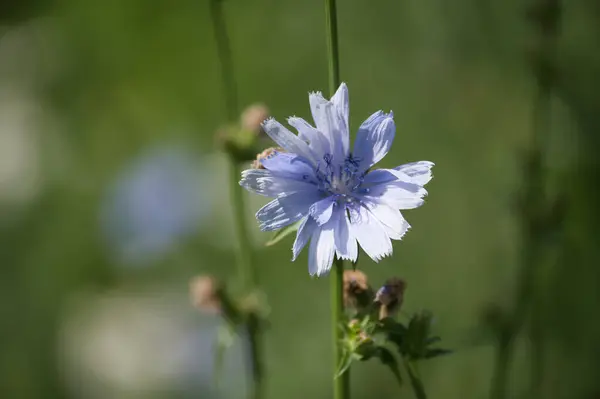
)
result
[(113, 194)]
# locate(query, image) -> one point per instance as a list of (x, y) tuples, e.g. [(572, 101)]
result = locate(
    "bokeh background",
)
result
[(113, 194)]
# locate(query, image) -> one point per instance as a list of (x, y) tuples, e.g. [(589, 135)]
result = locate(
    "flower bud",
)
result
[(357, 292), (253, 117), (390, 296), (204, 294)]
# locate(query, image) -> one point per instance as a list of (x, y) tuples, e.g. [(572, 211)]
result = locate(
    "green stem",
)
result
[(332, 46), (225, 59), (341, 384), (503, 357), (415, 380), (245, 270), (341, 387)]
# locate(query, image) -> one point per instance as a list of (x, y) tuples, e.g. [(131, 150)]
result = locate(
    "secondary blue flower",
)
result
[(317, 180)]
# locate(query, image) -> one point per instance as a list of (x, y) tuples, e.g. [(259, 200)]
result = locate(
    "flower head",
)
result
[(329, 188)]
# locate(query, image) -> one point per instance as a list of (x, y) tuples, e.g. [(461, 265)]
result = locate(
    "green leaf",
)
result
[(394, 331), (387, 358), (282, 233), (417, 335)]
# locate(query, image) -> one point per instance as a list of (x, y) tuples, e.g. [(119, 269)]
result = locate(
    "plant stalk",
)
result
[(245, 270), (341, 384)]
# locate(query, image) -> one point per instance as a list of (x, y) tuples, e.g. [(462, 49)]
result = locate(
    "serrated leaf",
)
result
[(394, 331), (282, 233), (388, 359)]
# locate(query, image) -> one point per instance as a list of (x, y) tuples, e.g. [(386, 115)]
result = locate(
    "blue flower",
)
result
[(333, 192)]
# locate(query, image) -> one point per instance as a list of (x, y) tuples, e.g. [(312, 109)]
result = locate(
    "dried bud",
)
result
[(204, 294), (253, 116), (266, 154), (390, 296), (357, 292)]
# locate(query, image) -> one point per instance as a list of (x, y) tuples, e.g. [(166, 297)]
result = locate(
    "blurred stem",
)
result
[(537, 220), (503, 356), (415, 380), (225, 59), (341, 384), (246, 273)]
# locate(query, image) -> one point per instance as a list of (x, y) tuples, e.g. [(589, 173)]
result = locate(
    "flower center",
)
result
[(340, 180)]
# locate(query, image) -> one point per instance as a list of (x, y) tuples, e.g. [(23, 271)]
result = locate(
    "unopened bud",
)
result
[(204, 294), (253, 117), (390, 296), (357, 292), (266, 154)]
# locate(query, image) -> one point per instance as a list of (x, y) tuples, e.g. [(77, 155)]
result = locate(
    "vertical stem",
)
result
[(415, 380), (245, 271), (332, 45), (341, 388), (225, 59), (503, 356), (341, 384)]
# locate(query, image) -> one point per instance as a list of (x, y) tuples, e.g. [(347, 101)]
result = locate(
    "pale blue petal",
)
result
[(420, 172), (286, 209), (265, 182), (322, 250), (329, 122), (322, 210), (394, 223), (394, 188), (374, 139), (380, 176), (345, 242), (305, 232), (317, 141), (341, 102), (286, 139), (288, 164), (370, 233)]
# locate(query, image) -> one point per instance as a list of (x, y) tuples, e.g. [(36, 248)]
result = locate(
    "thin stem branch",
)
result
[(245, 270), (341, 387)]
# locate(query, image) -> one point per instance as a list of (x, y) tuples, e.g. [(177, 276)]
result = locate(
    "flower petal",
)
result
[(317, 141), (289, 165), (392, 187), (370, 233), (345, 242), (321, 251), (286, 139), (265, 182), (420, 172), (394, 223), (330, 123), (305, 232), (341, 103), (374, 139), (322, 210), (286, 209)]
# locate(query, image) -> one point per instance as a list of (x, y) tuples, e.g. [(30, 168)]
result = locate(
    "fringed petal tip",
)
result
[(267, 121)]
